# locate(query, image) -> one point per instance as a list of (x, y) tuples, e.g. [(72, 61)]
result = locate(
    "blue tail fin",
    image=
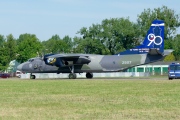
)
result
[(153, 40)]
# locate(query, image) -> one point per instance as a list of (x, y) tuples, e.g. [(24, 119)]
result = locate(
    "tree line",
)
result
[(109, 37)]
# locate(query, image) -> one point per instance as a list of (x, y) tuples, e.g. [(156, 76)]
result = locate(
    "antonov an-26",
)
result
[(151, 50)]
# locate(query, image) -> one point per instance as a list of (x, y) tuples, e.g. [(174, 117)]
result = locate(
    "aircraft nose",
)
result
[(19, 67)]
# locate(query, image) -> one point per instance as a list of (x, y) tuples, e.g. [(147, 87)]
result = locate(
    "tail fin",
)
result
[(153, 42)]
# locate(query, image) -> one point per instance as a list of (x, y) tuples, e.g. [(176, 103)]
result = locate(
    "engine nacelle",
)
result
[(82, 60), (48, 61), (52, 61), (61, 62)]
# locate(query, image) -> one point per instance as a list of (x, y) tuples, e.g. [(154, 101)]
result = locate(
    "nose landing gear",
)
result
[(32, 76)]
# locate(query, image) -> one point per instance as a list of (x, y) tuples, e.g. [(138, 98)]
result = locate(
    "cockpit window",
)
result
[(31, 60)]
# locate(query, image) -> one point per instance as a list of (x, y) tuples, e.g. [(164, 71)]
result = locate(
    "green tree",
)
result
[(112, 36), (2, 40), (169, 57), (3, 54), (119, 34), (172, 20), (69, 43), (7, 51), (28, 46), (89, 45), (55, 45), (91, 41), (168, 44), (11, 48), (3, 59), (176, 47)]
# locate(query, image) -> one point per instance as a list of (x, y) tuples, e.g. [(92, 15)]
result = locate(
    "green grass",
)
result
[(90, 99)]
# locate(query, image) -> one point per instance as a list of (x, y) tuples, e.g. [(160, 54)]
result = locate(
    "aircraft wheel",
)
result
[(32, 77), (89, 75), (75, 76), (72, 76)]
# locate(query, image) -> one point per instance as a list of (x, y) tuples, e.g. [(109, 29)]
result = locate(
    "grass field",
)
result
[(90, 99)]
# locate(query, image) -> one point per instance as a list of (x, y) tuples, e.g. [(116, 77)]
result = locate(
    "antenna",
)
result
[(156, 15), (42, 55), (37, 53)]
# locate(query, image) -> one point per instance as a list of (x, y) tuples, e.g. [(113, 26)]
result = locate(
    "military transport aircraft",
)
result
[(151, 50)]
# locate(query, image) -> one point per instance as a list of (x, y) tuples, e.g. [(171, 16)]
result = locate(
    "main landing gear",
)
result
[(89, 75), (72, 75)]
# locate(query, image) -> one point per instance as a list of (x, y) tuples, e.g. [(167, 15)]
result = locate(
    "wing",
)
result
[(67, 56), (67, 59)]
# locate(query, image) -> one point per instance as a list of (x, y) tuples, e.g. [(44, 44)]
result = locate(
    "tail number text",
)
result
[(126, 62)]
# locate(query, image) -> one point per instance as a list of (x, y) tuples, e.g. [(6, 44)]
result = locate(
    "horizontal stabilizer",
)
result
[(157, 52), (167, 52)]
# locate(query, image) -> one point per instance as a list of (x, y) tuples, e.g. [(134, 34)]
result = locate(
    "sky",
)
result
[(45, 18)]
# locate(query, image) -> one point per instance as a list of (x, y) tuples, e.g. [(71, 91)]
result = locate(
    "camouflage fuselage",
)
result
[(99, 63)]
